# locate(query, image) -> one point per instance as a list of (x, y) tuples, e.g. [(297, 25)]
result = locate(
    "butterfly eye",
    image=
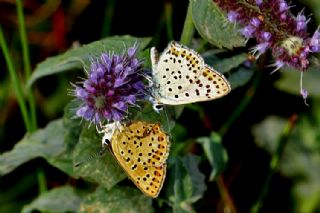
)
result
[(157, 107), (105, 141)]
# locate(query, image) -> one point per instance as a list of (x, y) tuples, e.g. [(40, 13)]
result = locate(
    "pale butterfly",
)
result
[(141, 149), (180, 76)]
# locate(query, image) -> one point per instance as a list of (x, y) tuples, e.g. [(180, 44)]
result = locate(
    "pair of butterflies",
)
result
[(179, 76)]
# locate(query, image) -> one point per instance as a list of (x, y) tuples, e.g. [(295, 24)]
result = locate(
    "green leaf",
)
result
[(179, 133), (79, 57), (227, 64), (191, 163), (240, 77), (215, 153), (102, 169), (290, 81), (179, 142), (117, 200), (213, 25), (185, 184), (72, 125), (72, 130), (55, 143), (10, 196), (47, 143), (165, 117), (63, 199)]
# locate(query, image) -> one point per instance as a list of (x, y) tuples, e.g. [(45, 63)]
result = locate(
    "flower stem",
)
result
[(188, 28), (15, 81), (26, 63), (274, 163), (41, 177)]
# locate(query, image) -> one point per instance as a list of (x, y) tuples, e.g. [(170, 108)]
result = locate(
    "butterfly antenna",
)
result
[(98, 154)]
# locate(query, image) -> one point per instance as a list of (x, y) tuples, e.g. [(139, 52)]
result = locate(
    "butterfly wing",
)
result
[(136, 147), (182, 77), (208, 86)]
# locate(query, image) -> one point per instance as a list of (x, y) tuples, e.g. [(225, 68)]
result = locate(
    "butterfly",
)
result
[(141, 149), (180, 76)]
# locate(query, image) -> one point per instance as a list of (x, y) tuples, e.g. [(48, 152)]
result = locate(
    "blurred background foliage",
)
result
[(256, 149)]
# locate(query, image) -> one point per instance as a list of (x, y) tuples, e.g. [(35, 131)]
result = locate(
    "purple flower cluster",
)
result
[(114, 82), (274, 27)]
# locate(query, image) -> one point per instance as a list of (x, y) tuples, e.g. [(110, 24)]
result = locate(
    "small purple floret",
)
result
[(259, 2), (304, 93), (301, 22), (266, 36), (247, 31), (232, 16), (255, 22), (283, 6)]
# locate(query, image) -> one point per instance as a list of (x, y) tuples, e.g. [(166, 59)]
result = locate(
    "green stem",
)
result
[(41, 181), (188, 28), (15, 81), (242, 105), (274, 163), (168, 14), (26, 62)]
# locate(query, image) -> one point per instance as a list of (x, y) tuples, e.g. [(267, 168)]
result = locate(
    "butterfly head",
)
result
[(108, 131)]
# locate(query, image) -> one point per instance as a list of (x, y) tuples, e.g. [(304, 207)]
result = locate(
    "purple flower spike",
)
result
[(113, 84), (274, 27)]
